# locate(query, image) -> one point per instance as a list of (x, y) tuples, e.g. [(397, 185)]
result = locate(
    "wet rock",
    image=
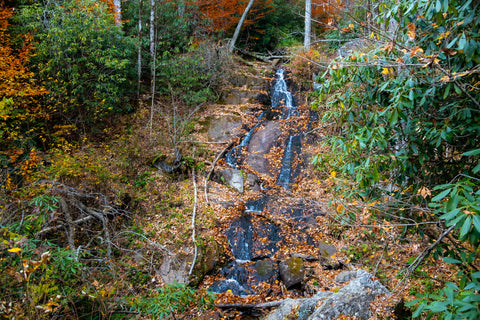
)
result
[(264, 271), (256, 205), (240, 238), (287, 172), (260, 144), (351, 300), (292, 271), (253, 241), (230, 284), (233, 178), (223, 128)]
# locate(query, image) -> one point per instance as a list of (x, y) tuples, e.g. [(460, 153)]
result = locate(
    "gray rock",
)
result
[(345, 276), (222, 129), (292, 271), (233, 178), (260, 144), (352, 300), (326, 250)]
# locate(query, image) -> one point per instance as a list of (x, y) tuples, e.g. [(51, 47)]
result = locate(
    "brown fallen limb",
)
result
[(49, 229), (266, 59), (427, 251), (213, 167), (264, 305)]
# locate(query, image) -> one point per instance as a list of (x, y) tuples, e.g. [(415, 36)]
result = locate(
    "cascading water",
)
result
[(286, 172), (234, 154), (250, 237), (281, 97)]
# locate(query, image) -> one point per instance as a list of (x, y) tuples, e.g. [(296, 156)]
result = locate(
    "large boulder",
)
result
[(260, 144), (352, 300)]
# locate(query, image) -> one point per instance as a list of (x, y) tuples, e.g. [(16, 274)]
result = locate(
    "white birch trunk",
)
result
[(239, 26), (152, 28), (117, 4), (139, 56), (308, 24)]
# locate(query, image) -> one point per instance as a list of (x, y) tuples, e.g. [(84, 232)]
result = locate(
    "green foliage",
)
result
[(280, 26), (452, 302), (193, 77), (171, 299), (36, 278), (408, 115), (397, 125), (81, 58)]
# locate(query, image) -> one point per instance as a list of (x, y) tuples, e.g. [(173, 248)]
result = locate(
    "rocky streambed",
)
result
[(272, 230)]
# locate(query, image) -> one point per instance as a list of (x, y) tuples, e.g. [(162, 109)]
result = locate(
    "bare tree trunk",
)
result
[(308, 24), (117, 4), (154, 58), (152, 28), (239, 26), (139, 58)]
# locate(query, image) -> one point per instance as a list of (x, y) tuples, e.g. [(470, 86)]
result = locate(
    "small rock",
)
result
[(234, 178), (292, 271)]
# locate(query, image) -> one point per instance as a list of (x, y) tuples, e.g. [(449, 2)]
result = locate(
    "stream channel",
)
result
[(274, 235)]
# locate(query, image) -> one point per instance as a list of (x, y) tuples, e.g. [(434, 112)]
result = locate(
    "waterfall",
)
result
[(281, 97)]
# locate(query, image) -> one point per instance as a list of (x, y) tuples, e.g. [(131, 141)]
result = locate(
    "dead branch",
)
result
[(194, 212), (427, 251), (154, 244), (75, 222)]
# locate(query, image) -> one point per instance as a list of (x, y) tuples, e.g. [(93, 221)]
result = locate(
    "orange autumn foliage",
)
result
[(19, 108), (325, 11), (225, 14)]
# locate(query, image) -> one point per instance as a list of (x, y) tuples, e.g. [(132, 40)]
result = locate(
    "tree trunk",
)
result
[(139, 56), (239, 26), (117, 4), (152, 28), (308, 24)]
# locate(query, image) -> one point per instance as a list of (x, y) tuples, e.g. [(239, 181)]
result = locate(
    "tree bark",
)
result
[(117, 4), (152, 28), (139, 55), (239, 26), (308, 24)]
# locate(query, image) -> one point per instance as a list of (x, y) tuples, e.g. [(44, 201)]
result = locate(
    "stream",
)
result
[(270, 240)]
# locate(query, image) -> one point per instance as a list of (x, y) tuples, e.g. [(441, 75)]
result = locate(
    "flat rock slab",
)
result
[(260, 144)]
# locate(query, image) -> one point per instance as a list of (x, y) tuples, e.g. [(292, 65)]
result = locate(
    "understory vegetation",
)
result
[(89, 105)]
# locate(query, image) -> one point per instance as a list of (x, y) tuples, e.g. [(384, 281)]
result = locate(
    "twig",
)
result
[(420, 258), (144, 237), (213, 167), (193, 221)]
